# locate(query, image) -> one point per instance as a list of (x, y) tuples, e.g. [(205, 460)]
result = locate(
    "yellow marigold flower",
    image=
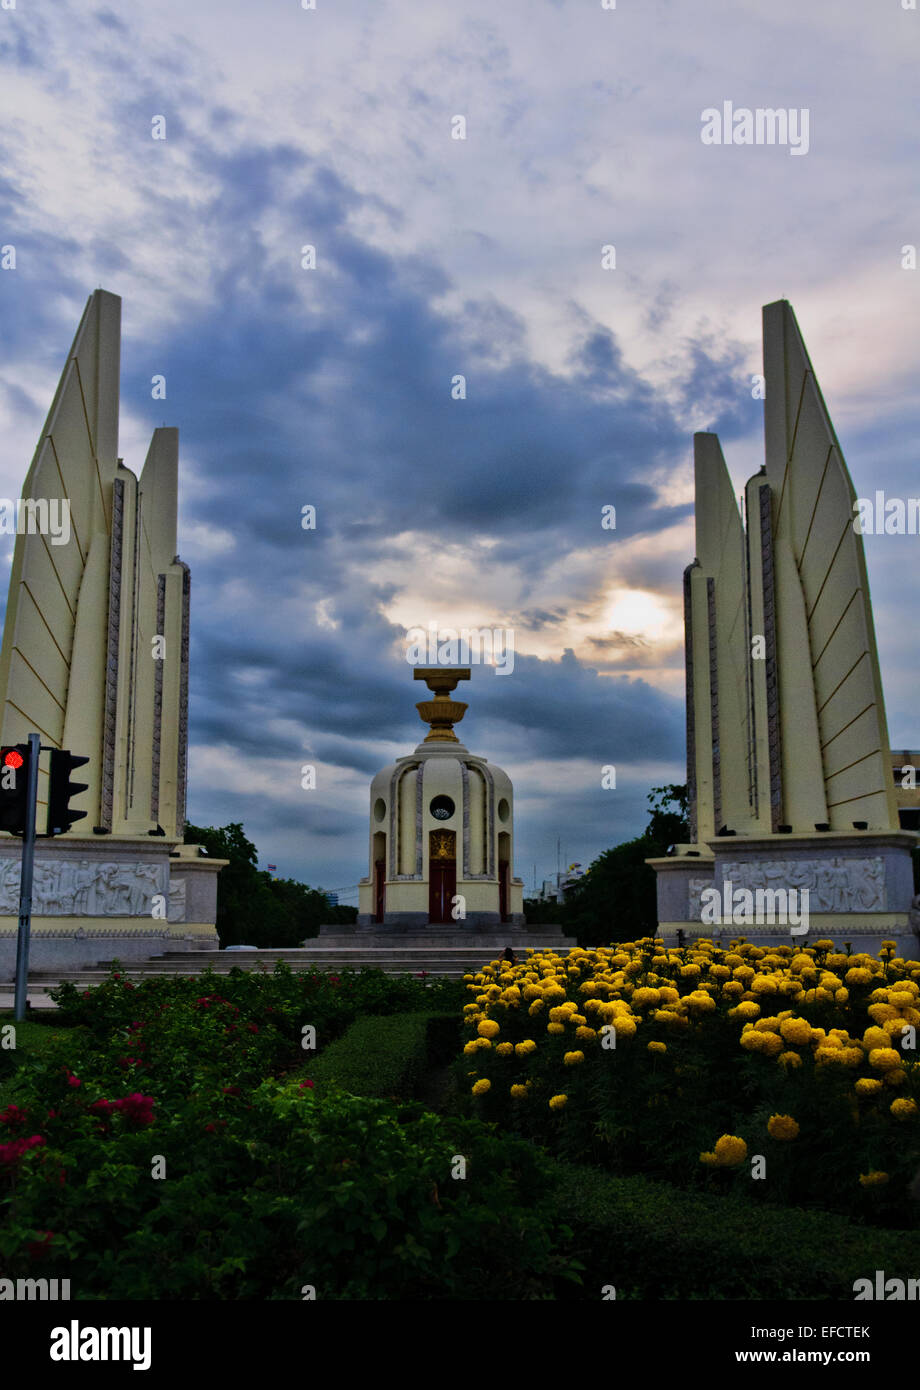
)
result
[(505, 1049), (903, 1108), (789, 1059), (536, 1007), (523, 1048), (709, 1159), (472, 1046), (824, 945), (873, 1179), (657, 1047), (481, 1086), (557, 1102), (572, 1059), (782, 1127), (625, 1026), (884, 1058), (519, 1092), (880, 1012), (585, 1034), (730, 1151), (747, 1009), (796, 1030), (691, 971), (875, 1037), (646, 996), (896, 1077), (487, 1028), (867, 1086), (857, 975), (555, 1028), (701, 1002)]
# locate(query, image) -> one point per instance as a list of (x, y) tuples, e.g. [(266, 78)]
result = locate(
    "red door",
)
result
[(379, 889), (441, 889), (504, 875)]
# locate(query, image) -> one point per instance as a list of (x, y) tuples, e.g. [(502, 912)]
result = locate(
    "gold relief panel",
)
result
[(442, 844)]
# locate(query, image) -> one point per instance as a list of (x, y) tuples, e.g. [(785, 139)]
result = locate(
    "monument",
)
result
[(95, 659), (441, 832), (791, 788)]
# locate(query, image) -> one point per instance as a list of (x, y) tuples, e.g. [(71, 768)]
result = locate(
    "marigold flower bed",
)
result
[(788, 1073)]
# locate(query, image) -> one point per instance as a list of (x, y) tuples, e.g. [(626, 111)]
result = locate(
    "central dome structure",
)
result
[(441, 831)]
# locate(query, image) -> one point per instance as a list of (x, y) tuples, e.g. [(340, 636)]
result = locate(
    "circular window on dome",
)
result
[(380, 809), (504, 810), (442, 808)]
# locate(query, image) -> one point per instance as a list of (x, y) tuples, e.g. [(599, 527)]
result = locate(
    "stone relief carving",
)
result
[(833, 884), (177, 900), (80, 887)]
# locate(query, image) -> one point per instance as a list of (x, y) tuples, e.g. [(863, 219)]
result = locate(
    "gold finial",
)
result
[(442, 713)]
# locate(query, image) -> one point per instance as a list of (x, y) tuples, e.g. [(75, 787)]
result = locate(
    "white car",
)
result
[(241, 948)]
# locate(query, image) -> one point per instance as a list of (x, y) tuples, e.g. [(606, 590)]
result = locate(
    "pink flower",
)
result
[(13, 1152), (137, 1109), (304, 1085), (12, 1115)]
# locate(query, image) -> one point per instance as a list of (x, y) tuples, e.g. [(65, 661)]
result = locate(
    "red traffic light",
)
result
[(12, 758)]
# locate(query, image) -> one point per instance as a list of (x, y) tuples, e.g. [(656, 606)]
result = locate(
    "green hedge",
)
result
[(653, 1241), (386, 1055)]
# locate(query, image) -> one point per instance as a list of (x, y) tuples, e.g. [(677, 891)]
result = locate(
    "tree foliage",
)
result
[(616, 899), (254, 909)]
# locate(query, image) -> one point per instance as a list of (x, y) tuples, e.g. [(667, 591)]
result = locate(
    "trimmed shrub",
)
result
[(652, 1241)]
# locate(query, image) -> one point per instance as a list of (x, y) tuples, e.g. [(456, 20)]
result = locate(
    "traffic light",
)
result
[(14, 787), (61, 790)]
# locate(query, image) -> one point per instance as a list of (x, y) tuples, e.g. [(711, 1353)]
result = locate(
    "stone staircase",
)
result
[(407, 955)]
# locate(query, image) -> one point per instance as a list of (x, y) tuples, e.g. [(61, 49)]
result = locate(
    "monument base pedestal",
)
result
[(845, 886), (108, 897), (436, 934)]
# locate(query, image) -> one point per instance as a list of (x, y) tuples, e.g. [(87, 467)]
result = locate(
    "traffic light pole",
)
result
[(25, 883)]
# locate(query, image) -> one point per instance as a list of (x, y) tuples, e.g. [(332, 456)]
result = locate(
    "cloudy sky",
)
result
[(439, 257)]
